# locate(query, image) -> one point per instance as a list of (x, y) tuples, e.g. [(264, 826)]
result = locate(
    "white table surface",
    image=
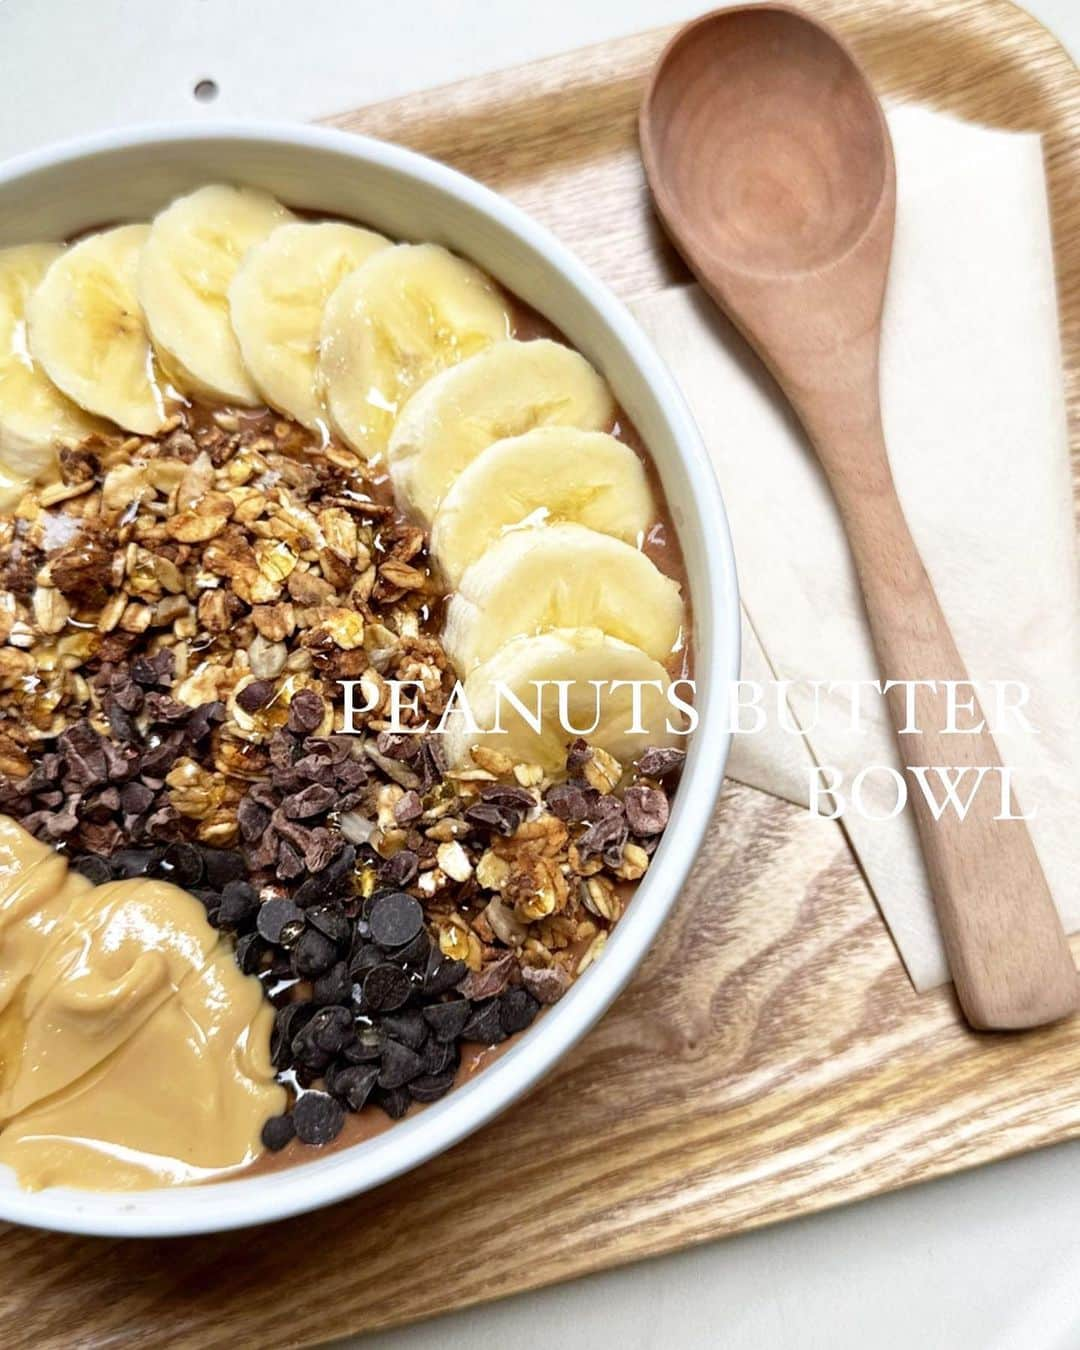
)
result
[(989, 1260)]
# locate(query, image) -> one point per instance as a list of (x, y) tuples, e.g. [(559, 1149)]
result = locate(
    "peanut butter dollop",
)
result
[(133, 1052)]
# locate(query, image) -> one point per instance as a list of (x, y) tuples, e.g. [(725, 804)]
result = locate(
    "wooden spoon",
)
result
[(770, 162)]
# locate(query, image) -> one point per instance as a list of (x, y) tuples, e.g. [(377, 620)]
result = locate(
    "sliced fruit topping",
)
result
[(87, 331), (276, 301), (507, 390), (576, 658), (561, 576), (189, 260), (35, 417), (548, 475), (406, 314)]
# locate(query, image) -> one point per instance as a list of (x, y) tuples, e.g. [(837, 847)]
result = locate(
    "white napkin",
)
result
[(975, 422)]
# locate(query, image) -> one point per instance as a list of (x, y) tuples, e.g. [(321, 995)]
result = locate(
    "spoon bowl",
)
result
[(793, 155)]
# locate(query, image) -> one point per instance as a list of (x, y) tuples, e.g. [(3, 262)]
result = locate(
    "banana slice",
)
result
[(561, 576), (507, 390), (406, 314), (276, 302), (195, 247), (528, 667), (550, 474), (35, 417), (87, 331)]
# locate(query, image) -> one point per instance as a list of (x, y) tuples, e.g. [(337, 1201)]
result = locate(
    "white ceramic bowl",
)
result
[(130, 174)]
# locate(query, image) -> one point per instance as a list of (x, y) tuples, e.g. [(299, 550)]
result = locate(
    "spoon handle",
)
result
[(1007, 951)]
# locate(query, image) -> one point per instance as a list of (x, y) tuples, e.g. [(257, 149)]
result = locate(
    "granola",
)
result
[(175, 637)]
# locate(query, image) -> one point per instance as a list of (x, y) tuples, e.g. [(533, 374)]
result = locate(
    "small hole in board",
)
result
[(206, 91)]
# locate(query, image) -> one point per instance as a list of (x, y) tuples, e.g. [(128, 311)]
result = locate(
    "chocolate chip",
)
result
[(135, 862), (415, 953), (333, 986), (289, 1021), (307, 1056), (255, 695), (314, 891), (430, 1087), (273, 915), (239, 905), (658, 761), (353, 1085), (314, 953), (395, 918), (646, 809), (366, 1047), (305, 711), (517, 1009), (181, 864), (290, 935), (277, 1132), (318, 1118), (485, 1025), (363, 959), (386, 987), (398, 1065), (93, 868), (331, 922), (395, 1102), (331, 1030), (250, 950), (443, 974), (447, 1020), (438, 1056), (408, 1027), (222, 865)]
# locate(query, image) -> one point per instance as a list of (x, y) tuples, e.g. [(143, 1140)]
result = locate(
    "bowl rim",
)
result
[(267, 1197)]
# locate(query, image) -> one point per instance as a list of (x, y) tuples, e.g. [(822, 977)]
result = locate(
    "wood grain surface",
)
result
[(770, 1058)]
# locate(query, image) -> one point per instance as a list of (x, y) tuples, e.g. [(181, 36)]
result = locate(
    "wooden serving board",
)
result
[(770, 1058)]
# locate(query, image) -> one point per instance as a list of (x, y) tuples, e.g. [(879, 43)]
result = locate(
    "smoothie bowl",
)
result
[(367, 612)]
